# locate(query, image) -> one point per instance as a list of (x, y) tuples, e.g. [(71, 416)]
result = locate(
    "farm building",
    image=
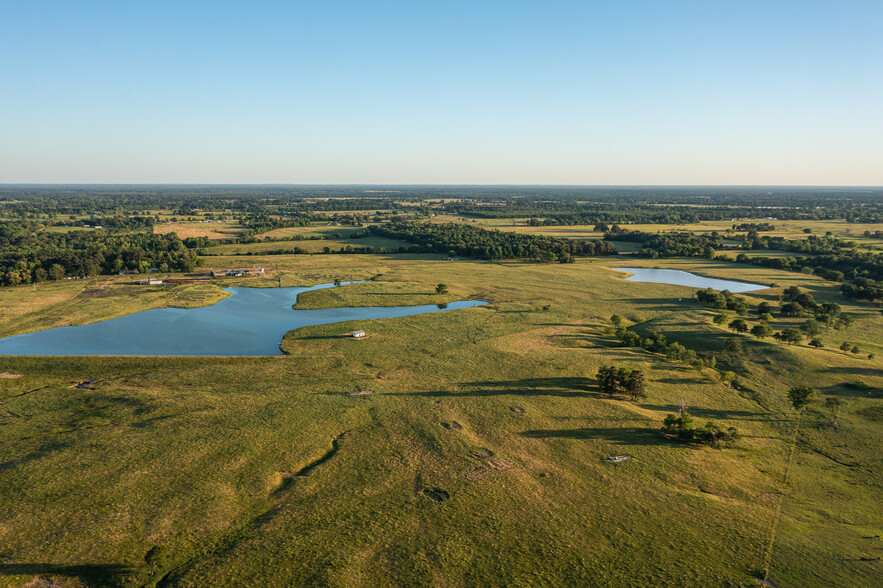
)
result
[(360, 334), (248, 271)]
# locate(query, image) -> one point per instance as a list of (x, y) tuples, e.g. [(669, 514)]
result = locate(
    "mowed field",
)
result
[(791, 229), (211, 230), (480, 458)]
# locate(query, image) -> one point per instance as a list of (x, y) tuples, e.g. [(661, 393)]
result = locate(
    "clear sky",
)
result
[(479, 92)]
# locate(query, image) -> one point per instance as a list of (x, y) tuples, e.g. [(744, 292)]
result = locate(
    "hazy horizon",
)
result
[(398, 93)]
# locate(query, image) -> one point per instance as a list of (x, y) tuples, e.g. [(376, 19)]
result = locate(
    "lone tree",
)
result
[(441, 289), (811, 327), (789, 336), (157, 556), (762, 330), (734, 347), (844, 322), (635, 385), (801, 396), (833, 404), (616, 320), (607, 380), (682, 407), (738, 325)]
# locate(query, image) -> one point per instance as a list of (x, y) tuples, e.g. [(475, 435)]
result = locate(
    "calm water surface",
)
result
[(251, 321), (679, 278)]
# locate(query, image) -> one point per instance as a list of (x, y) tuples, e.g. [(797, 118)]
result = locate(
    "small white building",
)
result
[(358, 334)]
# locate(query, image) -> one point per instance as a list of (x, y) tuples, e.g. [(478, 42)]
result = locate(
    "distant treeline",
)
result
[(472, 241), (28, 255)]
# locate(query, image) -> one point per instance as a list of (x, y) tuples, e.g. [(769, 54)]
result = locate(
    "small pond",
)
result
[(679, 278), (251, 321)]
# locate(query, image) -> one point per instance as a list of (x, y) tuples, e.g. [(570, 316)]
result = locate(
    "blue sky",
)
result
[(513, 92)]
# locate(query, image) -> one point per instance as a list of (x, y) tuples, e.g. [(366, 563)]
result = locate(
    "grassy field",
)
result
[(212, 230), (479, 459)]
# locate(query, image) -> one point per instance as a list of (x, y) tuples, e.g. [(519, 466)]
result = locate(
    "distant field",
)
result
[(480, 457), (316, 229), (213, 230), (311, 246)]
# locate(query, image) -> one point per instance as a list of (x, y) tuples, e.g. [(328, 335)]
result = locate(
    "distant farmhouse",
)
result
[(151, 282), (238, 273)]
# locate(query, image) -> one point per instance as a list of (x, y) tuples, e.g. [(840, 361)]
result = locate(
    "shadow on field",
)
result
[(658, 303), (845, 389), (852, 371), (621, 435), (708, 413), (97, 574), (47, 448), (565, 387)]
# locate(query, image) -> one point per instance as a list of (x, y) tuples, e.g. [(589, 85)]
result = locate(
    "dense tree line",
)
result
[(34, 256), (472, 241), (757, 227), (675, 244)]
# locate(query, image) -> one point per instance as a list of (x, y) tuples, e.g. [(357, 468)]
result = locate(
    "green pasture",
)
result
[(480, 458)]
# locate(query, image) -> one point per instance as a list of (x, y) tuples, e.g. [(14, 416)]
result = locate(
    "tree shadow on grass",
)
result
[(853, 371), (95, 574), (659, 303), (47, 448), (562, 387), (712, 414), (620, 435), (845, 389)]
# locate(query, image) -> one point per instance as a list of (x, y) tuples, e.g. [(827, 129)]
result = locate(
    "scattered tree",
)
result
[(616, 320), (635, 385), (738, 326), (156, 556), (789, 336), (762, 330), (801, 396), (682, 407), (441, 289), (734, 347), (727, 377), (833, 404)]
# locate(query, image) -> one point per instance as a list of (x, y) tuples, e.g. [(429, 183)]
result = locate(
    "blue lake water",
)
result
[(251, 321), (679, 278)]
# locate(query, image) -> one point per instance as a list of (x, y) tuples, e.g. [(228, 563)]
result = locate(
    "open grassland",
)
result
[(212, 230), (479, 459), (314, 230)]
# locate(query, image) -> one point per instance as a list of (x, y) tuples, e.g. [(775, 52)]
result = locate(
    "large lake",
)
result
[(679, 278), (251, 321)]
